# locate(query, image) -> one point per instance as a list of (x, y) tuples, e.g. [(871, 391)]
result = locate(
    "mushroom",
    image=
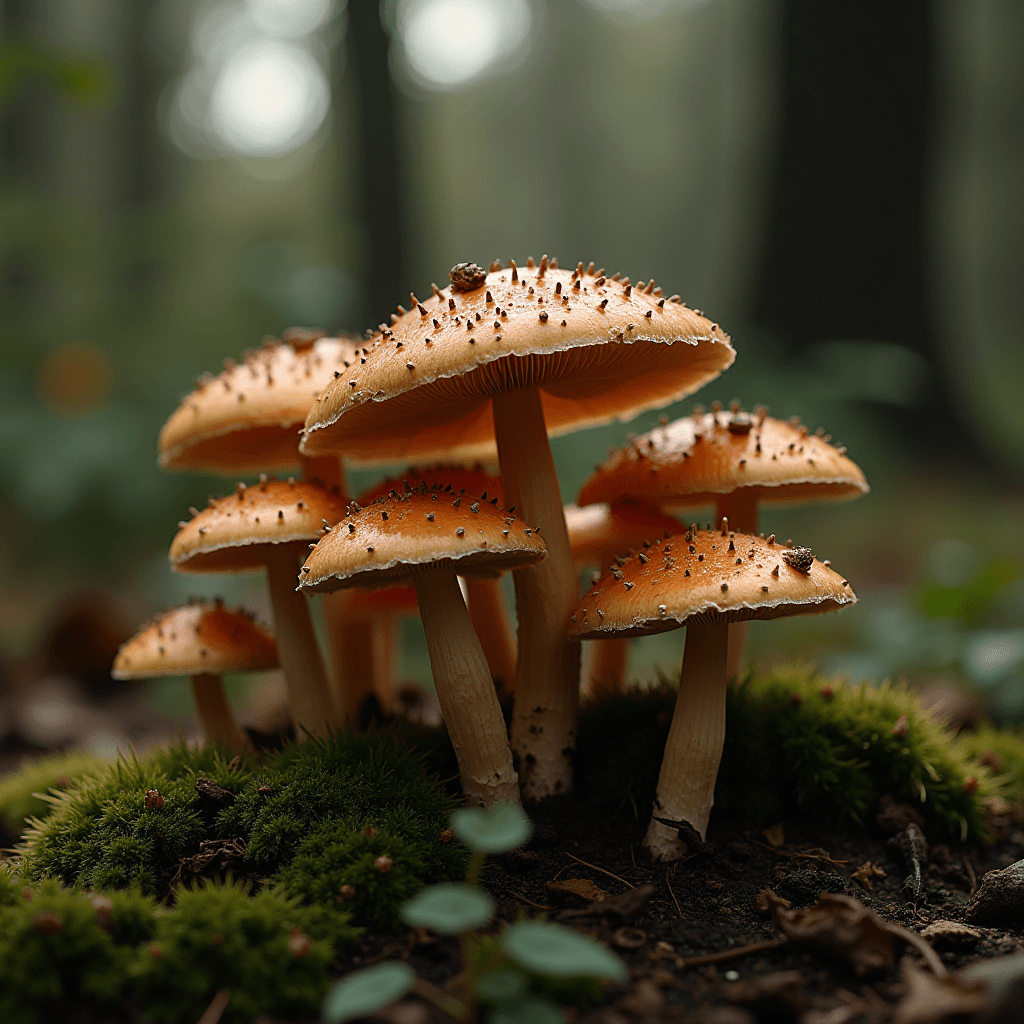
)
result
[(515, 354), (202, 640), (703, 579), (483, 596), (266, 526), (246, 420), (598, 536), (733, 460), (425, 538)]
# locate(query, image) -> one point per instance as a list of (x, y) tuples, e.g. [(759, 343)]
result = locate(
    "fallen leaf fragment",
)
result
[(866, 874), (775, 835), (951, 935), (577, 892), (932, 1000)]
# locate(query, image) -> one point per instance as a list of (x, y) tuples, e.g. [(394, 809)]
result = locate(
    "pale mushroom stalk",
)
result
[(740, 508), (548, 668), (686, 784), (215, 714), (465, 691), (606, 667), (308, 693), (490, 622)]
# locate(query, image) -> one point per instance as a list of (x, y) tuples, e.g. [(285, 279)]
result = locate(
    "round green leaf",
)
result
[(366, 992), (532, 1010), (501, 986), (449, 909), (498, 829), (554, 951)]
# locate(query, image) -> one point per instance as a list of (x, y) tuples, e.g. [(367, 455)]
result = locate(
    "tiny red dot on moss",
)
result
[(970, 784), (795, 700)]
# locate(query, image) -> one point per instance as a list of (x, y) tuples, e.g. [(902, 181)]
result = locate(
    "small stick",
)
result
[(673, 895), (970, 874), (594, 867), (218, 1004), (824, 857), (529, 903), (447, 1004), (730, 954), (923, 947)]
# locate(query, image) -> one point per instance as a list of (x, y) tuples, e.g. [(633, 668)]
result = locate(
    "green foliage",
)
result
[(1003, 751), (554, 951), (58, 946), (260, 948), (793, 741), (368, 991), (497, 829), (85, 82), (449, 909), (39, 775)]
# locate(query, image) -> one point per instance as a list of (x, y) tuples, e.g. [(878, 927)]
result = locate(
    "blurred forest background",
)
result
[(839, 186)]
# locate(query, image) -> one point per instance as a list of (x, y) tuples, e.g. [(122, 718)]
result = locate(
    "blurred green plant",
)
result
[(88, 83), (23, 792)]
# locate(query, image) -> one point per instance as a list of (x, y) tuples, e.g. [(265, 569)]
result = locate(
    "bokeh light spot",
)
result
[(74, 379)]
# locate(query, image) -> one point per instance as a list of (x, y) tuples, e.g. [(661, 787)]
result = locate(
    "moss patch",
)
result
[(23, 793)]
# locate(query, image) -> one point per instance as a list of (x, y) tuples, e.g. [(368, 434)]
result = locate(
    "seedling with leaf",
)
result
[(504, 980)]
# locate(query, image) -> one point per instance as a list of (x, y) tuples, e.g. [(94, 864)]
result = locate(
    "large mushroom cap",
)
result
[(460, 479), (247, 418), (597, 347), (708, 576), (594, 530), (204, 637), (690, 461), (231, 534), (391, 540)]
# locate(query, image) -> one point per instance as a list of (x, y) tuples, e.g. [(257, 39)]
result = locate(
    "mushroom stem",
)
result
[(686, 785), (465, 691), (606, 666), (740, 508), (548, 669), (490, 621), (215, 714), (308, 693)]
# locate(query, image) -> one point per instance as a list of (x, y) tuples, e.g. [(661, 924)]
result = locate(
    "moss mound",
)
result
[(349, 811), (1001, 750), (793, 740), (23, 794)]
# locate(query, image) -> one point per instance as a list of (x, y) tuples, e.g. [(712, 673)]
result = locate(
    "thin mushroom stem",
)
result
[(740, 508), (548, 669), (215, 714), (308, 693), (489, 616), (465, 691), (384, 643), (606, 666), (686, 785)]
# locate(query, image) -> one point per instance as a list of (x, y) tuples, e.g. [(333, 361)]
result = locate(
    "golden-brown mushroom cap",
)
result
[(204, 637), (247, 418), (471, 480), (707, 576), (597, 347), (594, 530), (690, 461), (232, 533), (389, 541)]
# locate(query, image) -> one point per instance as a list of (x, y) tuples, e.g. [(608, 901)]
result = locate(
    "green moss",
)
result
[(794, 741), (23, 792), (1003, 751), (269, 953)]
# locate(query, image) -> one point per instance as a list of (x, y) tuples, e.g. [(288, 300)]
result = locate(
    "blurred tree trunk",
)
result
[(380, 198), (845, 255)]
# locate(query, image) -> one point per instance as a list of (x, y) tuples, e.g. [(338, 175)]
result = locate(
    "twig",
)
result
[(529, 903), (931, 958), (730, 954), (594, 867), (672, 894), (970, 874), (445, 1003), (824, 857), (218, 1004)]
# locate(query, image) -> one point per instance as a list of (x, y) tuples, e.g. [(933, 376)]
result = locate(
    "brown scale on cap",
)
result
[(672, 584), (232, 533), (692, 460), (593, 363), (426, 527), (204, 637), (247, 417)]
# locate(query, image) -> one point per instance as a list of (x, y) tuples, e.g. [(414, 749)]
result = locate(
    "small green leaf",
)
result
[(532, 1010), (449, 909), (500, 986), (368, 991), (557, 952), (498, 829)]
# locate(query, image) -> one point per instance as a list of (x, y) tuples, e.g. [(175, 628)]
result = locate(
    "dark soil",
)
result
[(706, 904)]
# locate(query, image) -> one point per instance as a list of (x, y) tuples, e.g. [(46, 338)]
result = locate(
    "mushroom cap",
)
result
[(232, 533), (472, 480), (651, 592), (196, 638), (391, 540), (388, 601), (689, 461), (596, 530), (426, 387), (247, 418)]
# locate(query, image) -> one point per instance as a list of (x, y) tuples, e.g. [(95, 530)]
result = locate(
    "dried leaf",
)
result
[(932, 1000), (867, 873), (577, 892), (774, 835)]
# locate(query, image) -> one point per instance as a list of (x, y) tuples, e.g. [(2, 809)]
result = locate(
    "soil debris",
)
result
[(1000, 897)]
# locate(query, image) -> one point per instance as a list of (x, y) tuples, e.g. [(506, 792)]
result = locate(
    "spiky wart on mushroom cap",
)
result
[(467, 277), (705, 576), (799, 558)]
